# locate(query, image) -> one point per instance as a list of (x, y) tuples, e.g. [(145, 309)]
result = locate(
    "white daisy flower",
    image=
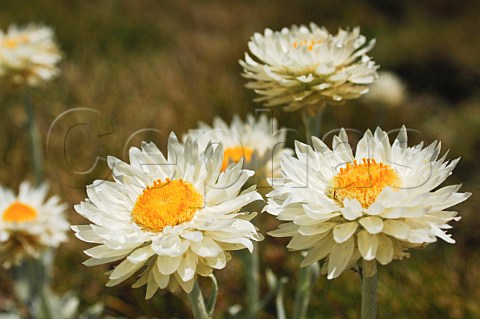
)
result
[(303, 66), (373, 205), (28, 56), (258, 142), (29, 223), (176, 218)]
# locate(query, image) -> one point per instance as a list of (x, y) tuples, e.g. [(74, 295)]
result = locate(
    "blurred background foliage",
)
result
[(164, 65)]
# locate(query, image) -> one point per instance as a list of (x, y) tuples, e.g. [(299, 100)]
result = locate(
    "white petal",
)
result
[(193, 236), (319, 251), (352, 209), (187, 286), (375, 209), (206, 248), (141, 281), (85, 233), (186, 269), (372, 224), (171, 246), (396, 228), (384, 250), (304, 242), (141, 254), (202, 268), (103, 251), (125, 269), (367, 245), (218, 262), (319, 228), (340, 257), (343, 232), (160, 279), (95, 262), (167, 265), (420, 236), (152, 286), (441, 234)]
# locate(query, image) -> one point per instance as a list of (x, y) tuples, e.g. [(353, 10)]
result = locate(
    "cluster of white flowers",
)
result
[(178, 217), (28, 56), (170, 219)]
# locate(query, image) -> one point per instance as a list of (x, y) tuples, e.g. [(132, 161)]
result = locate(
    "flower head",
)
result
[(307, 66), (373, 205), (28, 56), (29, 223), (175, 217), (258, 142)]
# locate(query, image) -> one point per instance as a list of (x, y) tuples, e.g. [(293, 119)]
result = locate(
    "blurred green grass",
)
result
[(167, 64)]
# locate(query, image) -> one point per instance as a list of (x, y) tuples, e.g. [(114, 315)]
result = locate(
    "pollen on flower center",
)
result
[(309, 43), (362, 182), (13, 42), (18, 212), (167, 203), (234, 154)]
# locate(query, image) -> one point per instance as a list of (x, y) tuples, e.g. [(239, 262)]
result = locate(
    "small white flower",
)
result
[(303, 66), (373, 205), (258, 142), (175, 217), (28, 56), (29, 223)]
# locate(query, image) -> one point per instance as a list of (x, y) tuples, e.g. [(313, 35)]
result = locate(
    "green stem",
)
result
[(312, 123), (35, 141), (252, 280), (369, 296), (303, 291), (275, 290), (279, 300), (212, 300), (30, 282), (45, 305), (198, 303)]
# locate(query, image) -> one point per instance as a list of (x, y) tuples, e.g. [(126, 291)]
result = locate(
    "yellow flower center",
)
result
[(18, 212), (13, 42), (309, 43), (363, 182), (167, 203), (234, 154)]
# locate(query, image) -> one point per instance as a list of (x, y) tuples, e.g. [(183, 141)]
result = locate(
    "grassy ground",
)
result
[(164, 65)]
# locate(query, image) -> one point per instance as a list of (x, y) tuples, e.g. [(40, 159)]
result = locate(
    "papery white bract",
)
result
[(373, 205), (29, 223), (175, 217), (28, 56), (307, 66)]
